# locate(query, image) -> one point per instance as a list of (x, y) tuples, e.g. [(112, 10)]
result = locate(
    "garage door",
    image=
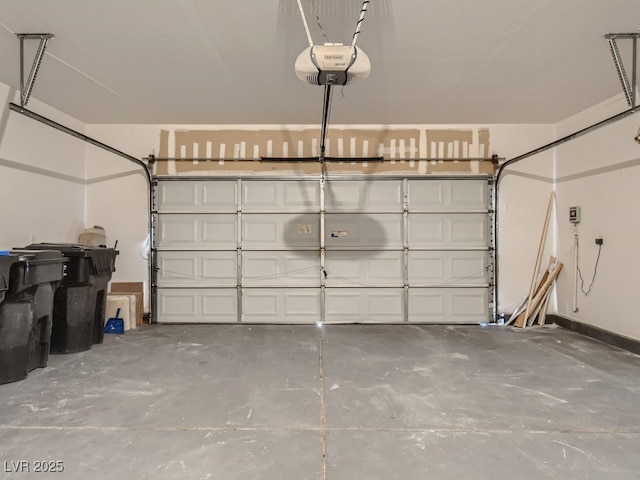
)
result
[(306, 250)]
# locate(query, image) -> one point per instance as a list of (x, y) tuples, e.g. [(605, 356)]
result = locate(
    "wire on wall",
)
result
[(578, 272), (595, 271)]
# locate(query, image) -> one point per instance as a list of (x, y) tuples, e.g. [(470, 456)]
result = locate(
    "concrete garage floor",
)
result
[(337, 403)]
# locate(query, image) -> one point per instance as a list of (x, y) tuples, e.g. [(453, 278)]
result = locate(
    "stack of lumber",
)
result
[(533, 308)]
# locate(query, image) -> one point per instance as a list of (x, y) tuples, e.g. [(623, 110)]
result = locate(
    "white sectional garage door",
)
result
[(363, 250)]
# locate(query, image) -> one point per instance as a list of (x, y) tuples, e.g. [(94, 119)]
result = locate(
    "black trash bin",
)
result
[(26, 311), (79, 304)]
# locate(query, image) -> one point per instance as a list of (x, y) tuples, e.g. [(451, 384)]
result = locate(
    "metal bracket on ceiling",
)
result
[(27, 87), (629, 88)]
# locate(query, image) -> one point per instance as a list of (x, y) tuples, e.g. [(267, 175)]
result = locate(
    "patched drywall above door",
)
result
[(409, 149)]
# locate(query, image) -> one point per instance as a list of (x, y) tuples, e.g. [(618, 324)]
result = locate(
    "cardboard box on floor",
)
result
[(131, 288)]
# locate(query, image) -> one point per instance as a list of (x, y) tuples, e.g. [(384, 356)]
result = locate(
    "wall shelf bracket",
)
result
[(26, 87), (628, 87)]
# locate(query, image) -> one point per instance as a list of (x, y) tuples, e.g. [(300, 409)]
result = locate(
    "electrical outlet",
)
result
[(599, 241)]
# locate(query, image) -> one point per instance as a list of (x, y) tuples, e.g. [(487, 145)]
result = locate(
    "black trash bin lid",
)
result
[(7, 258), (69, 249), (102, 258), (38, 256)]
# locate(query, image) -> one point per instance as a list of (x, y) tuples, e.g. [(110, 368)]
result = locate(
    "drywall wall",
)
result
[(117, 191), (600, 172), (118, 197), (524, 195), (42, 190)]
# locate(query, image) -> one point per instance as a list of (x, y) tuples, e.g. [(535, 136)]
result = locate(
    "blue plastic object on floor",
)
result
[(115, 324)]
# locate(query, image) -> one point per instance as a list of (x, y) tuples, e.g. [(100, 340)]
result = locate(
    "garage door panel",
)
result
[(280, 269), (178, 230), (280, 231), (197, 305), (364, 305), (469, 304), (197, 196), (197, 269), (280, 305), (352, 230), (364, 268), (469, 194), (447, 195), (468, 230), (284, 196), (448, 305), (364, 196), (220, 231), (197, 231), (423, 196), (433, 268)]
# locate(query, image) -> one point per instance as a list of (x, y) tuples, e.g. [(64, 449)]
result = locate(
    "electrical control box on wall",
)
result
[(574, 214)]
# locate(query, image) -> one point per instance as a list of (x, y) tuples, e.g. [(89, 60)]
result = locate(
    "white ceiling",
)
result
[(231, 61)]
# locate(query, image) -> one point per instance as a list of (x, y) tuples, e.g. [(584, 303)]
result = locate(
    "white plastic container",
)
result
[(93, 237)]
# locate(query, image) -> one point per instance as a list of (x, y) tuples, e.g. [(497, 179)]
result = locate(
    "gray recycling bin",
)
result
[(26, 310), (80, 302)]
